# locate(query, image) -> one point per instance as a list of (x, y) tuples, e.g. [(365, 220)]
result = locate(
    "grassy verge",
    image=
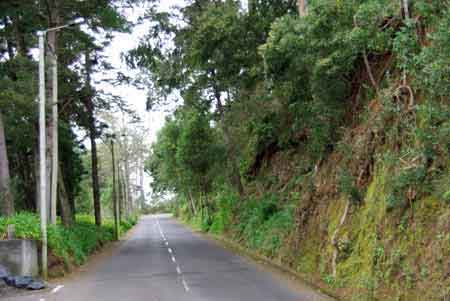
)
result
[(70, 246)]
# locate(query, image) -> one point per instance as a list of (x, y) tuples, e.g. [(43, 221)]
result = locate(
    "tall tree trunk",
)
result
[(92, 135), (94, 164), (405, 6), (67, 215), (126, 204), (9, 44), (114, 194), (192, 200), (120, 191), (5, 189), (52, 83), (251, 6), (37, 175), (302, 7), (19, 36), (141, 183), (127, 184)]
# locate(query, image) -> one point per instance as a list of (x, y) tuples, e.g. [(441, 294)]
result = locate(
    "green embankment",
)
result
[(382, 254)]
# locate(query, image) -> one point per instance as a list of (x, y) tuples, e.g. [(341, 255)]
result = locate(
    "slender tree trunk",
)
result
[(94, 164), (141, 184), (127, 183), (52, 129), (9, 45), (126, 154), (302, 7), (191, 199), (37, 174), (92, 135), (55, 151), (7, 203), (67, 215), (19, 36), (126, 204), (114, 194), (120, 192), (251, 6), (405, 5)]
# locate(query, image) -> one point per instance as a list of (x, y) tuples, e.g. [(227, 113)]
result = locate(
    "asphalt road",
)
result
[(163, 260)]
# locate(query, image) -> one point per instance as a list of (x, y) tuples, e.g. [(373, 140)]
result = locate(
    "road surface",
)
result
[(163, 260)]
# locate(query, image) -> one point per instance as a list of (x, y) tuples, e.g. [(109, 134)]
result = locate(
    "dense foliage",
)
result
[(328, 129), (79, 49), (71, 245), (85, 184)]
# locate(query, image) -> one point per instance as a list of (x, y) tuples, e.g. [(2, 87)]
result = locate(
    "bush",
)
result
[(202, 221), (263, 225), (73, 245), (222, 218)]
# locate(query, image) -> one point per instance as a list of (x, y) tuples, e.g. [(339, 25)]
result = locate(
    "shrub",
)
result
[(263, 225), (73, 245), (222, 218)]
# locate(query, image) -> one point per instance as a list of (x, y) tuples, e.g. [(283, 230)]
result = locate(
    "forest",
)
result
[(90, 123), (315, 134)]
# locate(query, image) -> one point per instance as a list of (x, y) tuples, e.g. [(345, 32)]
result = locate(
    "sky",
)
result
[(122, 43), (135, 98)]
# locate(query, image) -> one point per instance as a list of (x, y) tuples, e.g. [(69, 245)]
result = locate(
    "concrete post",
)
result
[(42, 155)]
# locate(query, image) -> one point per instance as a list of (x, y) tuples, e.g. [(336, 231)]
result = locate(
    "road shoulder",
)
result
[(294, 280)]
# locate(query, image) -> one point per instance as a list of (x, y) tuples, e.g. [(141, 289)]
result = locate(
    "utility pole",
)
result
[(116, 203), (42, 155), (42, 138)]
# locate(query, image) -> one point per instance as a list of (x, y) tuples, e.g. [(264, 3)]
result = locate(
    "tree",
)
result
[(187, 157), (18, 24), (7, 204), (88, 102)]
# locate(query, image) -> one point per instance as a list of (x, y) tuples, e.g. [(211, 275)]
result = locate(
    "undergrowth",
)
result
[(260, 224), (72, 245)]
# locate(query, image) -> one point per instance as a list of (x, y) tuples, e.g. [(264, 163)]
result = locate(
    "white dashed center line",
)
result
[(186, 287), (56, 289), (172, 256)]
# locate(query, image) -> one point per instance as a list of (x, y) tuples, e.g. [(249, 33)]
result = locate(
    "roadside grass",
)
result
[(71, 245)]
